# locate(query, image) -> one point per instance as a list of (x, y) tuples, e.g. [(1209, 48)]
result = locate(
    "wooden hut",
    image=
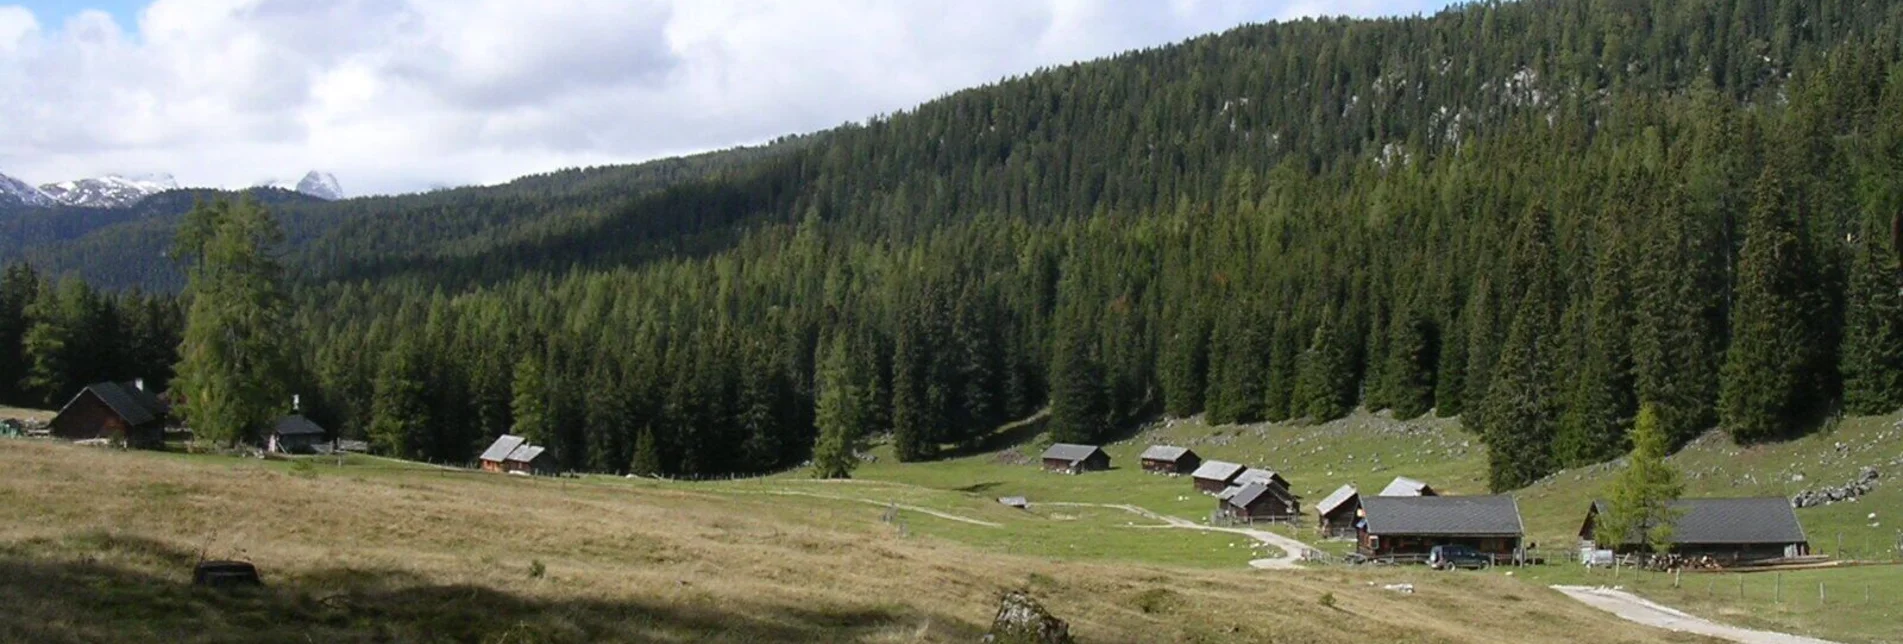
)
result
[(1165, 459), (493, 459), (1258, 502), (120, 412), (1338, 512), (293, 434), (1731, 530), (1075, 459), (1213, 477), (1412, 525), (1263, 476)]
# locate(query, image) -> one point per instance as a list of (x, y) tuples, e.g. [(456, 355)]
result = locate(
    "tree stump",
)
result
[(1021, 620)]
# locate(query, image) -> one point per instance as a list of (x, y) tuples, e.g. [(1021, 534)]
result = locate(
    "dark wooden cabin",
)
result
[(1338, 512), (1215, 476), (294, 434), (1165, 459), (1074, 459), (1412, 525), (1258, 502), (120, 412), (1732, 530)]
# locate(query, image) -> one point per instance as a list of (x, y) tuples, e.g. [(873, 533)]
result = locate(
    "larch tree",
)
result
[(234, 360), (1640, 499)]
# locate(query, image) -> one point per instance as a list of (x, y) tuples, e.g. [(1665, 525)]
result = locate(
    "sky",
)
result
[(397, 96)]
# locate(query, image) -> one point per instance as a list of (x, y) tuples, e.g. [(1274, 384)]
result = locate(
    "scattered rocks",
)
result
[(1866, 480), (1021, 620), (1400, 588)]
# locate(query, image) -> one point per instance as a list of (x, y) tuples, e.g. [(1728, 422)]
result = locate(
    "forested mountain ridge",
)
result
[(1533, 215)]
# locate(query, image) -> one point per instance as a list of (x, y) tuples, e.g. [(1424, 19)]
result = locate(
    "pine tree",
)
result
[(1186, 367), (1323, 387), (1080, 405), (1872, 354), (1640, 499), (529, 403), (839, 412), (647, 455), (234, 360), (399, 408), (1483, 355), (1522, 410), (914, 419), (1770, 369), (1593, 426), (1412, 361), (1677, 328)]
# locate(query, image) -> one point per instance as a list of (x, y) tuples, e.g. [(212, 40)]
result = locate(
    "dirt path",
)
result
[(910, 508), (1638, 609), (1291, 549)]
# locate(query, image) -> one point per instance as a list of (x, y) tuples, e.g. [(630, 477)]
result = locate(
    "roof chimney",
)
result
[(138, 383), (294, 404)]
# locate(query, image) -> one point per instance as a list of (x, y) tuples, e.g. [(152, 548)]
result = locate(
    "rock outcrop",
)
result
[(1021, 620)]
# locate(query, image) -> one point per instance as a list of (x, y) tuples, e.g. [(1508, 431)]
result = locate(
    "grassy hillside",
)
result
[(101, 542), (1369, 450)]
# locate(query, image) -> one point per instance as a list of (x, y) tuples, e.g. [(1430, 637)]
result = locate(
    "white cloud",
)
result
[(395, 95)]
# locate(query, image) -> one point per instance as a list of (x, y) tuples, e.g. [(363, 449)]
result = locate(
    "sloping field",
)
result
[(99, 544)]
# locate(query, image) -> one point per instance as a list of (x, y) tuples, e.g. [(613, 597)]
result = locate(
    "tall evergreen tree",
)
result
[(399, 408), (1522, 406), (1872, 354), (1640, 498), (234, 362), (1770, 370), (840, 411)]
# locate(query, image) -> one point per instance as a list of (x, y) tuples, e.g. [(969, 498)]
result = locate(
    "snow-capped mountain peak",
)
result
[(322, 185), (110, 191), (15, 190)]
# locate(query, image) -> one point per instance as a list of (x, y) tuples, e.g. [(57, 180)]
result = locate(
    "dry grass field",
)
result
[(98, 545)]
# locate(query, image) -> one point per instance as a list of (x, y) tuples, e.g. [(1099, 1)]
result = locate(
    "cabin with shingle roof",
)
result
[(1075, 459), (1166, 459), (1257, 501), (120, 412), (1412, 525), (512, 454), (1338, 512), (1733, 530), (293, 434), (1212, 477)]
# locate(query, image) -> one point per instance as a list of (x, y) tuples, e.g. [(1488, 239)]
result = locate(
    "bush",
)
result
[(1328, 600), (537, 569)]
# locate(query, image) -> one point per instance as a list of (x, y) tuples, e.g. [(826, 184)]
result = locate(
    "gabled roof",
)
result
[(296, 425), (1217, 471), (505, 444), (1249, 494), (526, 453), (1164, 453), (1404, 486), (1475, 516), (1228, 493), (1734, 521), (1258, 475), (1070, 452), (1335, 499), (135, 405)]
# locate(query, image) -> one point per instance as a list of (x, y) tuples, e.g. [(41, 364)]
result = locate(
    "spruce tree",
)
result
[(1640, 498), (914, 419), (1479, 323), (1601, 403), (1185, 366), (1771, 368), (1872, 354), (399, 408), (1080, 401), (529, 404), (1522, 407), (839, 411), (1323, 388), (1677, 331), (647, 454), (234, 358), (1412, 361)]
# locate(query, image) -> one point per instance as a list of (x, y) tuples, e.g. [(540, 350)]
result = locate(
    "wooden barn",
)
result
[(1215, 476), (529, 459), (1411, 525), (1259, 475), (1404, 486), (1731, 530), (294, 434), (1164, 459), (120, 412), (1075, 459), (1257, 502), (1338, 512), (492, 459)]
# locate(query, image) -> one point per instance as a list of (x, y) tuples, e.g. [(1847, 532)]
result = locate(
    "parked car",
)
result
[(1451, 557)]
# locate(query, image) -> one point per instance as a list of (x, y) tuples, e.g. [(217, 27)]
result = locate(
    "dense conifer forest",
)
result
[(1535, 215)]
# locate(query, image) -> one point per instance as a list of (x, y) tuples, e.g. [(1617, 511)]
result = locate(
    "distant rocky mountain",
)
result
[(16, 192), (110, 191), (322, 185)]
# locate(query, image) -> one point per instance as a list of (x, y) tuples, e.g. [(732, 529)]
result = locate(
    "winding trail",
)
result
[(1291, 549), (1638, 609)]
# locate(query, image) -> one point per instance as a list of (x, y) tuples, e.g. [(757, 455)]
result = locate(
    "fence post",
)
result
[(1677, 574), (1777, 590), (1740, 586), (1820, 593)]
